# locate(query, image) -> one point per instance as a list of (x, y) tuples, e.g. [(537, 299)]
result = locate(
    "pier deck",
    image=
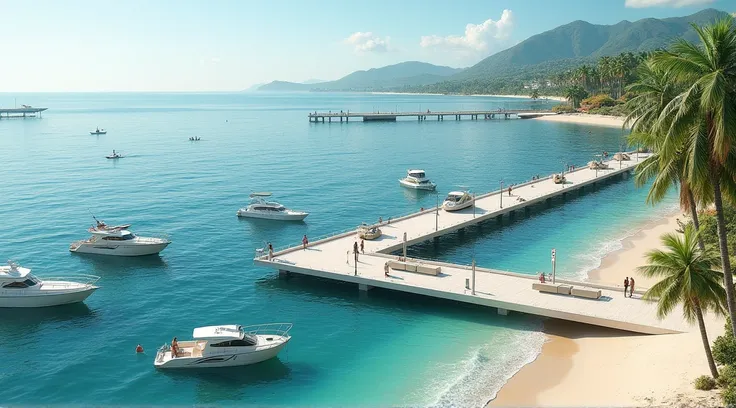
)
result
[(20, 112), (332, 258), (438, 115)]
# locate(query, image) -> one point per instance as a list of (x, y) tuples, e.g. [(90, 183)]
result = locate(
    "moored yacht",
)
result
[(270, 210), (20, 288), (225, 346), (417, 180), (106, 240), (457, 200)]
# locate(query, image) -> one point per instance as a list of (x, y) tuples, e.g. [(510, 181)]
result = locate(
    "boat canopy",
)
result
[(417, 173), (262, 194), (12, 270), (225, 332)]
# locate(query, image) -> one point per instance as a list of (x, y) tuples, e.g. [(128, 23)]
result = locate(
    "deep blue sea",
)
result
[(348, 349)]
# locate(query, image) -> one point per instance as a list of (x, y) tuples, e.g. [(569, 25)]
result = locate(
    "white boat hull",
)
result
[(44, 299), (219, 360), (121, 249), (457, 207), (282, 216), (414, 186)]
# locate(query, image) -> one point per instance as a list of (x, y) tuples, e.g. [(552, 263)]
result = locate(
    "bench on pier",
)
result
[(563, 289), (414, 267)]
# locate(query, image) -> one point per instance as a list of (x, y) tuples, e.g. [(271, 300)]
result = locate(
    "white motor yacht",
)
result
[(457, 200), (106, 240), (226, 346), (417, 180), (19, 288), (270, 210)]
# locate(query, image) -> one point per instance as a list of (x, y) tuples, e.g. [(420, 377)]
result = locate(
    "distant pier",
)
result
[(432, 115), (23, 112)]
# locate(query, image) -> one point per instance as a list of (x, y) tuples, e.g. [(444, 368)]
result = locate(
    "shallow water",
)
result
[(380, 348)]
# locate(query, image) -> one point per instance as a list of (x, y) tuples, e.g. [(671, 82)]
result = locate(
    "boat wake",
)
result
[(475, 380)]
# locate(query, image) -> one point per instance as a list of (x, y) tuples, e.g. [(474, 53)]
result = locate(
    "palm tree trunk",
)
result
[(694, 216), (706, 343), (723, 246)]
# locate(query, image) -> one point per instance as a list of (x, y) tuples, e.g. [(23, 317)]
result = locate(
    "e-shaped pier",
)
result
[(378, 116)]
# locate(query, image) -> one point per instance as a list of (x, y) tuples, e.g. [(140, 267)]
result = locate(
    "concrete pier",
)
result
[(23, 112), (505, 291), (317, 117)]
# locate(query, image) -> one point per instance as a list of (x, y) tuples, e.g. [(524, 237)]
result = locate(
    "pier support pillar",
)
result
[(503, 312), (283, 273), (364, 288)]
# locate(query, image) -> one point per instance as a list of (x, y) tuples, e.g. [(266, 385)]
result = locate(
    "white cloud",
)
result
[(477, 37), (664, 3), (367, 42)]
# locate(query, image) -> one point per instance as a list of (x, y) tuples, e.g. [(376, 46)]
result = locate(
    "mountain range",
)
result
[(410, 73), (553, 51)]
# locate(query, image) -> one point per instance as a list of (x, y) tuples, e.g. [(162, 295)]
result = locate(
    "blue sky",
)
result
[(223, 45)]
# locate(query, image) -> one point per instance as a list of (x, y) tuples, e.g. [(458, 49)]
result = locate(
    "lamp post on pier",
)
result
[(437, 211), (501, 194)]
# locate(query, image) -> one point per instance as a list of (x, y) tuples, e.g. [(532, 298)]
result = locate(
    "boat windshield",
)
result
[(454, 198), (417, 174), (125, 237), (20, 285)]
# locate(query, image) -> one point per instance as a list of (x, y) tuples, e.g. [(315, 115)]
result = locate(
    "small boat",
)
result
[(597, 165), (369, 232), (98, 131), (195, 139), (417, 180), (269, 210), (118, 241), (559, 178), (226, 346), (115, 155), (457, 200), (20, 288)]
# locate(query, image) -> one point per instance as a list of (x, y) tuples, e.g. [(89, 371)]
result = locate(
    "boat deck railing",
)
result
[(277, 329), (68, 280)]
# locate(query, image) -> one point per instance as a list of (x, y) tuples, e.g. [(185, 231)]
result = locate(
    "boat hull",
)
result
[(294, 216), (428, 186), (457, 207), (119, 250), (46, 299), (97, 133), (220, 360)]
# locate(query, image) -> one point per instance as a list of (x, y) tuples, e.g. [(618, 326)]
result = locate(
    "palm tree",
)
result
[(535, 94), (654, 90), (705, 113), (688, 279), (575, 94)]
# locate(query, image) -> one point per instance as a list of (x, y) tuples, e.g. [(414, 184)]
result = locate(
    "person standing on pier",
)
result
[(510, 191), (305, 242), (631, 287), (626, 285), (385, 269), (355, 250), (270, 251), (362, 246)]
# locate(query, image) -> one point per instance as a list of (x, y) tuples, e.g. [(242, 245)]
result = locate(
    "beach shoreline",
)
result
[(541, 97), (633, 370), (585, 119)]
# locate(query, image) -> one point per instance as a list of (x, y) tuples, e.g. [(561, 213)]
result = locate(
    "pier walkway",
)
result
[(439, 115), (332, 258), (21, 112)]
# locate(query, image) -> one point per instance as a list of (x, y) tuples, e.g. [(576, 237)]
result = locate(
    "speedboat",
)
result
[(226, 346), (20, 288), (114, 155), (369, 232), (417, 180), (457, 200), (270, 210), (98, 131), (118, 241)]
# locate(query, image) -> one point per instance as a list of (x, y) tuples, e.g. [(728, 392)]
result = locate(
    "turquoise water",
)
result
[(380, 348)]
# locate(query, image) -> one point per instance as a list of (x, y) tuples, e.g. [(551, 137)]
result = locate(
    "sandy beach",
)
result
[(587, 366), (541, 97), (585, 119)]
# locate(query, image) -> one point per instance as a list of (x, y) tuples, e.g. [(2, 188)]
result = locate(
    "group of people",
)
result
[(570, 167), (195, 139), (629, 286)]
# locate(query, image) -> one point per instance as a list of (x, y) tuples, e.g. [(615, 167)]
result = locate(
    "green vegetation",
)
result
[(688, 280), (705, 383), (683, 110)]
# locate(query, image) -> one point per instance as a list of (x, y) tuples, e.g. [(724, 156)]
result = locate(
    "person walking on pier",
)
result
[(385, 269), (355, 250), (305, 242), (631, 287), (362, 246), (510, 191), (626, 285), (270, 251)]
